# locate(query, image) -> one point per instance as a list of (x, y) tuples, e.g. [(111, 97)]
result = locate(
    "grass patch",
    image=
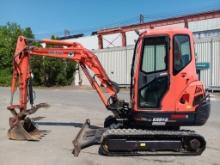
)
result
[(5, 77)]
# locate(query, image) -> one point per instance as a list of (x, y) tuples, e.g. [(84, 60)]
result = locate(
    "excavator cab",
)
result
[(165, 90)]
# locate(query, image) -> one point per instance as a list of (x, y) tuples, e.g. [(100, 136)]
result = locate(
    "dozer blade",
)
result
[(24, 130), (86, 137)]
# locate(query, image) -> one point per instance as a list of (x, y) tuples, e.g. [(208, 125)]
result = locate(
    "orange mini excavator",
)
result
[(165, 94)]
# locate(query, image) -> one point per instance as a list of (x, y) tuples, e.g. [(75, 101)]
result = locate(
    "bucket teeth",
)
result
[(25, 130)]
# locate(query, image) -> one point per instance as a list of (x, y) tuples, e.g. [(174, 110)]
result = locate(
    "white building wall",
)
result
[(208, 24), (215, 64), (89, 42), (203, 52), (112, 40), (131, 37)]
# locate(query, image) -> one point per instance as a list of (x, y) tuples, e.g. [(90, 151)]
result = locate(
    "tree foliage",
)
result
[(47, 71)]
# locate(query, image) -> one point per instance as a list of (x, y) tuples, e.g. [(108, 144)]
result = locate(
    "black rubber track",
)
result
[(138, 135)]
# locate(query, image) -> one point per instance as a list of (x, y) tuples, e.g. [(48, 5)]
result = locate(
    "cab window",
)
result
[(154, 54), (182, 53)]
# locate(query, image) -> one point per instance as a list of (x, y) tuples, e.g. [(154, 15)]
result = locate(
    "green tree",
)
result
[(47, 71), (8, 38), (58, 71), (27, 32)]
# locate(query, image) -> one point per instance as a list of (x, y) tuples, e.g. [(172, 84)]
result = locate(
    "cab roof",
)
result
[(166, 31)]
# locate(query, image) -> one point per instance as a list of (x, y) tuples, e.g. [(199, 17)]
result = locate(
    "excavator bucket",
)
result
[(86, 137), (24, 130)]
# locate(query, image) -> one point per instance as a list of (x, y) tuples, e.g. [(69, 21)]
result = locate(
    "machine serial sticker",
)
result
[(55, 52), (159, 121)]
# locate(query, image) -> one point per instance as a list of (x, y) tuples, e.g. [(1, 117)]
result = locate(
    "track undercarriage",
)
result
[(134, 142)]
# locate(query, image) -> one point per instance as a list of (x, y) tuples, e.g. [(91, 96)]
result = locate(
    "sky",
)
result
[(52, 17)]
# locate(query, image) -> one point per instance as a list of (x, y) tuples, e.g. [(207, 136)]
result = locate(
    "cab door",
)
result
[(153, 77)]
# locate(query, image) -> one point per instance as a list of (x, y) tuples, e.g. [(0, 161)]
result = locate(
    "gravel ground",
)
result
[(73, 106)]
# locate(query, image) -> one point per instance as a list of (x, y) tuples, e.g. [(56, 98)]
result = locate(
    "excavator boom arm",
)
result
[(64, 50)]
